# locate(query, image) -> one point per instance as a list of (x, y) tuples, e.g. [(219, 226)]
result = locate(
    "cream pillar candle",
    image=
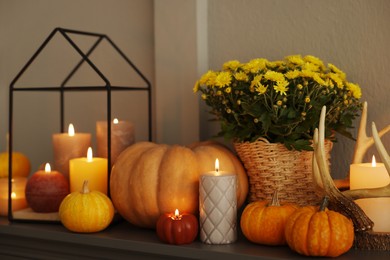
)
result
[(122, 136), (67, 146), (372, 175), (218, 207), (88, 168), (17, 196)]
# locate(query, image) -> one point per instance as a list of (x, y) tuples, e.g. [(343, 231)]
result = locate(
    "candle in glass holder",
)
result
[(18, 196), (372, 175), (89, 168), (122, 136), (68, 146), (218, 206)]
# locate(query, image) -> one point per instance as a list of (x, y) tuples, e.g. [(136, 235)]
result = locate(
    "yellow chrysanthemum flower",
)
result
[(336, 79), (319, 80), (231, 65), (196, 86), (281, 87), (208, 78), (228, 90), (261, 89), (295, 59), (241, 76), (314, 60), (292, 74), (355, 90), (310, 66), (255, 65), (336, 70), (223, 79), (307, 73), (275, 64), (256, 81), (274, 76)]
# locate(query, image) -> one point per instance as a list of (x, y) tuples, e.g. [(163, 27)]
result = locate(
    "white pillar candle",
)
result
[(372, 175), (89, 168), (122, 136), (17, 196), (67, 146), (218, 207)]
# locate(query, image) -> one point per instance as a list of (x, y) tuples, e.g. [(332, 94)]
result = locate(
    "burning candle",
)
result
[(218, 206), (17, 196), (122, 136), (46, 189), (89, 168), (372, 175), (177, 228), (67, 146)]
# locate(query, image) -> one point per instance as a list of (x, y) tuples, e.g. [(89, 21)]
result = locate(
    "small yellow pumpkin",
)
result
[(263, 222), (86, 211)]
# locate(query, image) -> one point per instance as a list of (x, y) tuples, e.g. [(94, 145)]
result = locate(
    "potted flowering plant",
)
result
[(280, 100)]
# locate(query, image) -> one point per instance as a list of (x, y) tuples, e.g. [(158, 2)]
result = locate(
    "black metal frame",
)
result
[(62, 89)]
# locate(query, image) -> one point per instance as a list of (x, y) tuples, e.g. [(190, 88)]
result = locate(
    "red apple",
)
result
[(45, 191)]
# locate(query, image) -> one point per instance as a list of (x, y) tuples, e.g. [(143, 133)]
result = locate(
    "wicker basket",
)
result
[(272, 166)]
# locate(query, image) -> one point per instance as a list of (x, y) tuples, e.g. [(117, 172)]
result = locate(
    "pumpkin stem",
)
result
[(324, 203), (85, 188), (275, 200)]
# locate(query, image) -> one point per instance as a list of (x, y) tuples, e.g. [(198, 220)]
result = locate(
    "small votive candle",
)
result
[(218, 207), (17, 196)]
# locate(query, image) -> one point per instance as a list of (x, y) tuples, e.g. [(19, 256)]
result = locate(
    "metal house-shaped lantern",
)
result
[(84, 53)]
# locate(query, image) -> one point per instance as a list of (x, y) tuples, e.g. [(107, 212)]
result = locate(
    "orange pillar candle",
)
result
[(89, 168), (18, 196), (68, 146), (372, 175), (122, 136)]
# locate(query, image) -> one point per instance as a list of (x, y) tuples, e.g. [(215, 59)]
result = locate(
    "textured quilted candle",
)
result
[(218, 207)]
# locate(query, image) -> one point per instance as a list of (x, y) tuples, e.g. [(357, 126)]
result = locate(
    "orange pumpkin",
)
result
[(317, 231), (264, 223), (149, 179)]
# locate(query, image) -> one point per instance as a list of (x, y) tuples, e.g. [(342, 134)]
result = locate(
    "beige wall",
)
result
[(352, 34), (23, 27)]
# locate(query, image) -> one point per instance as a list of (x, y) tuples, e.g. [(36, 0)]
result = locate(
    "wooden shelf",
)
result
[(124, 241)]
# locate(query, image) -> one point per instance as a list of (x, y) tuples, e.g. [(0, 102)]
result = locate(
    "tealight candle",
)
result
[(218, 206), (68, 146), (17, 196), (89, 168), (372, 175), (122, 136)]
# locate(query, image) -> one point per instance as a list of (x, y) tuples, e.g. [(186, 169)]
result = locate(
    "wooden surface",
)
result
[(121, 240)]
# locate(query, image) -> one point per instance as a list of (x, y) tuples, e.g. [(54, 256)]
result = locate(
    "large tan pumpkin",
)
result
[(150, 179)]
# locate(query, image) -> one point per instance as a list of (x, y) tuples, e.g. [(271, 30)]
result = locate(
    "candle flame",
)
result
[(373, 163), (89, 155), (13, 195), (47, 168), (115, 121), (71, 130), (177, 215), (217, 166)]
